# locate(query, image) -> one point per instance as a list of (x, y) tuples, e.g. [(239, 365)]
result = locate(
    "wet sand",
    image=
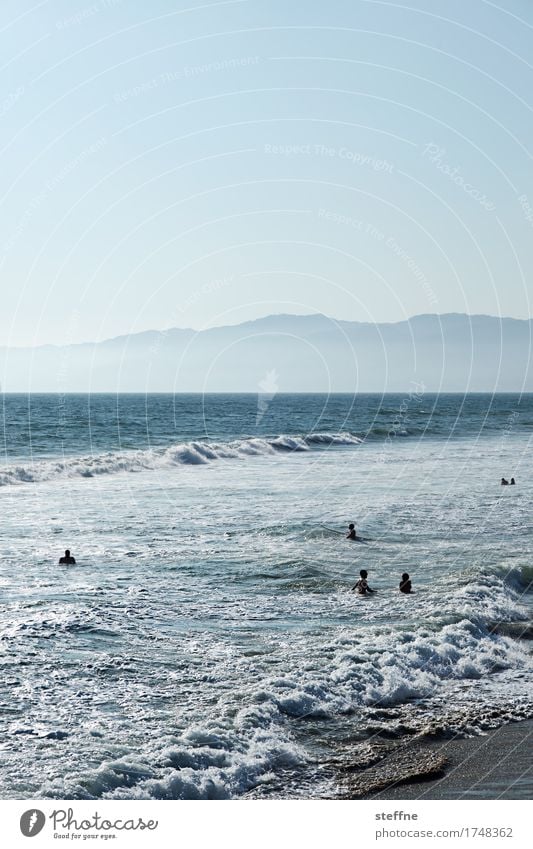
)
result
[(498, 765)]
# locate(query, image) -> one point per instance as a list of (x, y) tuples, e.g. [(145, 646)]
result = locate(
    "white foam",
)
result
[(184, 453), (247, 740)]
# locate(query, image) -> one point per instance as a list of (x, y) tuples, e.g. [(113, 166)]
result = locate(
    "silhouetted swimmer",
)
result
[(67, 560), (351, 531), (513, 482), (405, 584), (504, 482), (361, 586)]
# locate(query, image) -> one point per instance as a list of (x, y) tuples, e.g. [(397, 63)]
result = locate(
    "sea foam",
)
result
[(248, 741), (184, 453)]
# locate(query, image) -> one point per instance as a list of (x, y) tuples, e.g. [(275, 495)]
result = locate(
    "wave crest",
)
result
[(192, 453)]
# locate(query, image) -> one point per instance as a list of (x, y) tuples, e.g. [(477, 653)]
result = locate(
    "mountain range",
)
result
[(289, 353)]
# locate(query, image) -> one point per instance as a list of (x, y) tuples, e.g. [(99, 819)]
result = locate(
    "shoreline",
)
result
[(496, 765)]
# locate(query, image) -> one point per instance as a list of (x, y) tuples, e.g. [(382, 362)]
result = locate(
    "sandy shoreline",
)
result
[(497, 765)]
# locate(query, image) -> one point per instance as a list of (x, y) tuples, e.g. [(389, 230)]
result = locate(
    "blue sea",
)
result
[(207, 645)]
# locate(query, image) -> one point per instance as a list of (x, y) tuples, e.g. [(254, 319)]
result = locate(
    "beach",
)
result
[(496, 765)]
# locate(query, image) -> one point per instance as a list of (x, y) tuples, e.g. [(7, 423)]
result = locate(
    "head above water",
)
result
[(363, 573), (67, 552), (405, 576), (351, 526)]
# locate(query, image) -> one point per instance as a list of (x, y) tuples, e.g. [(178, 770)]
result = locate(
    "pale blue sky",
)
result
[(193, 163)]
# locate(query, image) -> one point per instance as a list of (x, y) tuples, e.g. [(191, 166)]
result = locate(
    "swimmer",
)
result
[(504, 482), (405, 584), (67, 560), (351, 531), (361, 587)]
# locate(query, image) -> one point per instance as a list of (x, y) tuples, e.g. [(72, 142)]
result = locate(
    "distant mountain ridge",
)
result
[(454, 352)]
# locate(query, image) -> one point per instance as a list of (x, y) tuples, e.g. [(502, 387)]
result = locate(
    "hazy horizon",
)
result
[(288, 354), (334, 319)]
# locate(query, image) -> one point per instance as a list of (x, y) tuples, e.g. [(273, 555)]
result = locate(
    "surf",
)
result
[(192, 453)]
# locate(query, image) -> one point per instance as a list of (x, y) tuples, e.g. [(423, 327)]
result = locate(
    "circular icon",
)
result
[(32, 822)]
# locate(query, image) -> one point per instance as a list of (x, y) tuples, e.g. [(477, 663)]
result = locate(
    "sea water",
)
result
[(207, 643)]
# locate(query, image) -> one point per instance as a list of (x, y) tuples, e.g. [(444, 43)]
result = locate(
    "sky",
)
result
[(194, 164)]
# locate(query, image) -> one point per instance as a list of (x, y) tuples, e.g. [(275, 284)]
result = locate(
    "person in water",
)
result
[(405, 584), (67, 560), (351, 531), (361, 586), (504, 482), (513, 482)]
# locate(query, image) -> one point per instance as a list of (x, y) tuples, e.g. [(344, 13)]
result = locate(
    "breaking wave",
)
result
[(248, 741), (185, 453)]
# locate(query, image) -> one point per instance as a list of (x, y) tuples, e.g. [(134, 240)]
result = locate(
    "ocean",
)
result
[(207, 645)]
